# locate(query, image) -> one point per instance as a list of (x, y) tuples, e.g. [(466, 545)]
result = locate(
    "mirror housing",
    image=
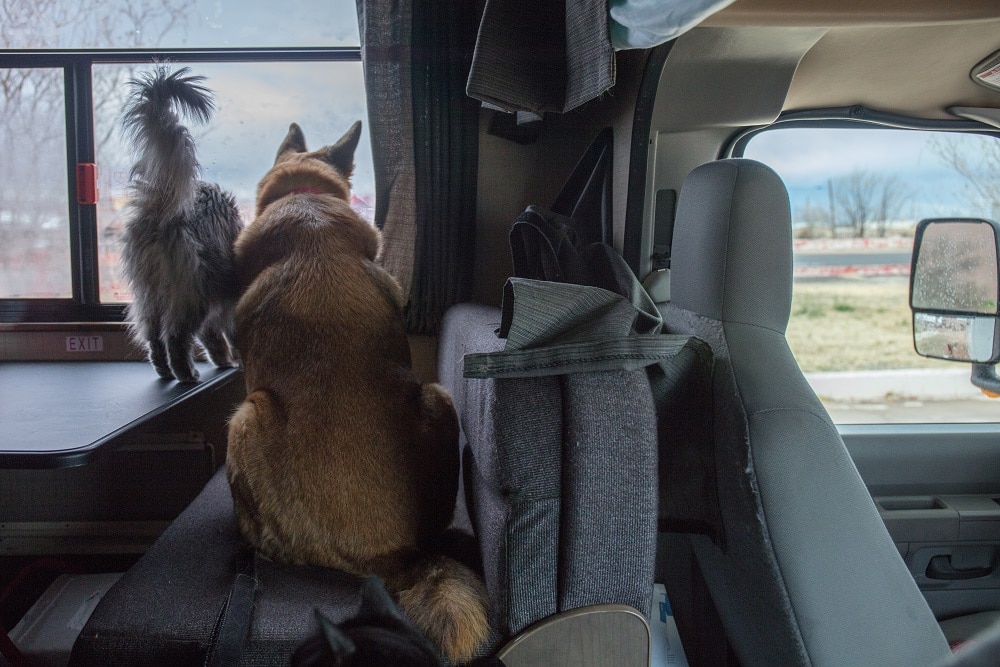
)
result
[(954, 294)]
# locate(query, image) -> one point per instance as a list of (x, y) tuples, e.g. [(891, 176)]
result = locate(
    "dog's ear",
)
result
[(295, 142), (376, 602), (341, 154)]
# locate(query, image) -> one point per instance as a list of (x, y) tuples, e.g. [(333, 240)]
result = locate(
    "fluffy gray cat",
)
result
[(179, 230)]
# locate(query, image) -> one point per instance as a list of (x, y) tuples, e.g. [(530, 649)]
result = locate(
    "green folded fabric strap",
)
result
[(556, 328), (604, 354)]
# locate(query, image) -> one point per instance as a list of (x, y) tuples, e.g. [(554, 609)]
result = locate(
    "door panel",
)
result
[(938, 489)]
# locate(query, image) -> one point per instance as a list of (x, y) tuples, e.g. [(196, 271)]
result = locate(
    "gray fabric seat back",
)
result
[(805, 572), (560, 477)]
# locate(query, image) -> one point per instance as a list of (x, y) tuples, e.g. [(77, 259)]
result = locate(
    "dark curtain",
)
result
[(425, 137), (542, 55)]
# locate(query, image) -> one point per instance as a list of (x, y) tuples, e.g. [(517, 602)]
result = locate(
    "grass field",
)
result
[(854, 324)]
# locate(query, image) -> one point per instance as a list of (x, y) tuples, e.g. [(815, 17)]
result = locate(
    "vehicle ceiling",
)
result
[(912, 57)]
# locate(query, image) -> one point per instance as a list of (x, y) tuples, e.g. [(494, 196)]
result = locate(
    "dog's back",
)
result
[(340, 457), (321, 329)]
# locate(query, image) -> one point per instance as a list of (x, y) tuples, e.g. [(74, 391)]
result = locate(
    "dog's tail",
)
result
[(447, 601), (166, 169)]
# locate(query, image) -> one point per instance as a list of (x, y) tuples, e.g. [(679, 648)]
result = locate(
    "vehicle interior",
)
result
[(601, 262)]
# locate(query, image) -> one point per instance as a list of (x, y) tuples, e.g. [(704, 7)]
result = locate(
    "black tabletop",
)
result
[(54, 414)]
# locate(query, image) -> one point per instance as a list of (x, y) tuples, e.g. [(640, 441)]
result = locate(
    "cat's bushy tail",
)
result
[(165, 171), (447, 601)]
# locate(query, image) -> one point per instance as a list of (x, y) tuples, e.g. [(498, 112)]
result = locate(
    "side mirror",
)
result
[(954, 294)]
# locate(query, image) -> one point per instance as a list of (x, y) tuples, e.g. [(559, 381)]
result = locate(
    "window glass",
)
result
[(255, 103), (856, 196), (256, 99), (124, 24), (34, 211)]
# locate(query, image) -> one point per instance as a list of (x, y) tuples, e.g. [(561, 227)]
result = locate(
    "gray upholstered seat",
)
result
[(164, 610), (560, 471), (806, 573)]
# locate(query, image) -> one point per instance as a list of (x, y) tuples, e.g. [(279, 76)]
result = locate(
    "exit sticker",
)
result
[(85, 343)]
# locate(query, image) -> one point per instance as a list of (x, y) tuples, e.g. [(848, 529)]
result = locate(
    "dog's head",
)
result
[(296, 169)]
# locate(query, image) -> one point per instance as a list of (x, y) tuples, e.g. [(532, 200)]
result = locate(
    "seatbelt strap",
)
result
[(232, 630)]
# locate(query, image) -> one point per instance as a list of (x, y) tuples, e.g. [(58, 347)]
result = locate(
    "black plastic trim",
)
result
[(639, 155), (852, 116)]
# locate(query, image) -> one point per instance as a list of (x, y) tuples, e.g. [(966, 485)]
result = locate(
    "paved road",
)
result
[(850, 258)]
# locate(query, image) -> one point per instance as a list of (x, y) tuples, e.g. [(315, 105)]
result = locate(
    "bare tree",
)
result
[(864, 198), (892, 197), (34, 238), (815, 219), (91, 24), (977, 160)]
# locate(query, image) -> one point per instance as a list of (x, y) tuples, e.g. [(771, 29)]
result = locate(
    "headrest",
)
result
[(731, 258)]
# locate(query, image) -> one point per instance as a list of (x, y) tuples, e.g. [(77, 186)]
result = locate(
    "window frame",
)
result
[(852, 117), (84, 305), (858, 117)]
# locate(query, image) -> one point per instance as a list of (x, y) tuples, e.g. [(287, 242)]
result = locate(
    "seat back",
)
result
[(560, 477), (805, 572)]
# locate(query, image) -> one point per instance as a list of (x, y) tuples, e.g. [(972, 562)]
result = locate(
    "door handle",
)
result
[(940, 567)]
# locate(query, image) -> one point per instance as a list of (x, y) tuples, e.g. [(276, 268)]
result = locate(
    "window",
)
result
[(177, 24), (856, 194), (34, 204), (63, 68)]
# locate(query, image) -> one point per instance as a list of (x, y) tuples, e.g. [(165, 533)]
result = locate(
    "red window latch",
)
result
[(86, 183)]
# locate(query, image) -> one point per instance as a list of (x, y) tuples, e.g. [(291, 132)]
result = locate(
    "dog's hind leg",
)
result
[(179, 353), (439, 453), (256, 432)]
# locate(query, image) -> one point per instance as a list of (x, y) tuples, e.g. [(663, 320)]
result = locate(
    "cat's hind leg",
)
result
[(156, 350), (217, 338), (215, 345), (180, 350), (158, 358)]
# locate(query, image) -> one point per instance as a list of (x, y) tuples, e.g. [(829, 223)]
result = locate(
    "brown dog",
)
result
[(339, 456)]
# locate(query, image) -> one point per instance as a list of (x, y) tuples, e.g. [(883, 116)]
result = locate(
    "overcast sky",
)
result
[(228, 23), (269, 23), (807, 158)]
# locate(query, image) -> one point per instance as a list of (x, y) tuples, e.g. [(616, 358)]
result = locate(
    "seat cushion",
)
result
[(165, 608)]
